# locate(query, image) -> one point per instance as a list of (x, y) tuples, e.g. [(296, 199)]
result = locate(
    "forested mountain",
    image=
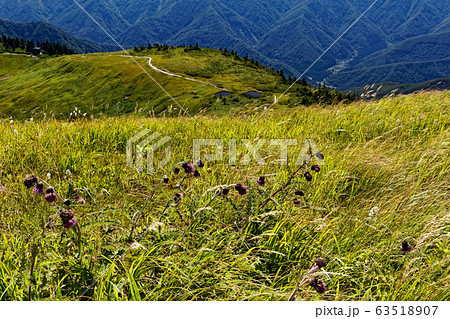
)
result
[(42, 31), (285, 34)]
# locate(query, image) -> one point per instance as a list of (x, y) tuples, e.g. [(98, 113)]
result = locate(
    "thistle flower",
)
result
[(165, 179), (308, 176), (299, 192), (200, 163), (176, 170), (188, 167), (315, 168), (225, 192), (66, 215), (196, 174), (70, 224), (50, 195), (319, 285), (320, 262), (39, 189), (30, 181), (242, 189), (67, 202), (261, 181), (406, 248), (178, 197)]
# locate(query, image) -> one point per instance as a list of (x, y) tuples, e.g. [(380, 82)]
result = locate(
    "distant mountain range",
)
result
[(43, 31), (397, 40)]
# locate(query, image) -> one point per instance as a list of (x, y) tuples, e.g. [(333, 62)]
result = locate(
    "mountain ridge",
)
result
[(284, 34)]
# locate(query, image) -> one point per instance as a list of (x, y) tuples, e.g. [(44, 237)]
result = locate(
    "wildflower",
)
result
[(31, 119), (315, 168), (308, 176), (49, 175), (261, 181), (30, 181), (406, 248), (320, 262), (165, 179), (242, 189), (70, 224), (299, 192), (67, 202), (225, 192), (39, 189), (66, 215), (188, 167), (373, 212), (178, 197), (176, 170), (15, 132), (196, 174), (12, 122), (200, 163), (50, 195), (319, 285)]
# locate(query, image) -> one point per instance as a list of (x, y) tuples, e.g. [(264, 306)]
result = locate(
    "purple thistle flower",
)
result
[(319, 285), (225, 192), (39, 189), (178, 197), (188, 167), (315, 168), (261, 181), (196, 174), (66, 215), (67, 202), (406, 248), (200, 163), (242, 189), (50, 195), (70, 224), (30, 181), (308, 176)]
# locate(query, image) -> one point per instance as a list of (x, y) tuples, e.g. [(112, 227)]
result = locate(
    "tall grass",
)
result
[(391, 154)]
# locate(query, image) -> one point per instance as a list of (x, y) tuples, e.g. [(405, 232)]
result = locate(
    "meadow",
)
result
[(384, 181)]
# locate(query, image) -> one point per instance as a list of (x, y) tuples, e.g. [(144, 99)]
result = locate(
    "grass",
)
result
[(113, 84), (391, 154)]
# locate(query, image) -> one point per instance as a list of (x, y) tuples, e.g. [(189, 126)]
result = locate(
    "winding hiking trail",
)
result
[(171, 74), (180, 76)]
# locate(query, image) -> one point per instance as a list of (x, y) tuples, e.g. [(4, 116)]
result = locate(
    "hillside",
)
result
[(284, 34), (376, 212), (111, 83), (42, 31), (381, 90)]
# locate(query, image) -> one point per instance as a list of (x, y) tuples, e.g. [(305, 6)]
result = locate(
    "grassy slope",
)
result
[(392, 154), (108, 83)]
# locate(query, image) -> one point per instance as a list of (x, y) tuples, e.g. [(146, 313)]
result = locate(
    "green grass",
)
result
[(112, 84), (391, 154)]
